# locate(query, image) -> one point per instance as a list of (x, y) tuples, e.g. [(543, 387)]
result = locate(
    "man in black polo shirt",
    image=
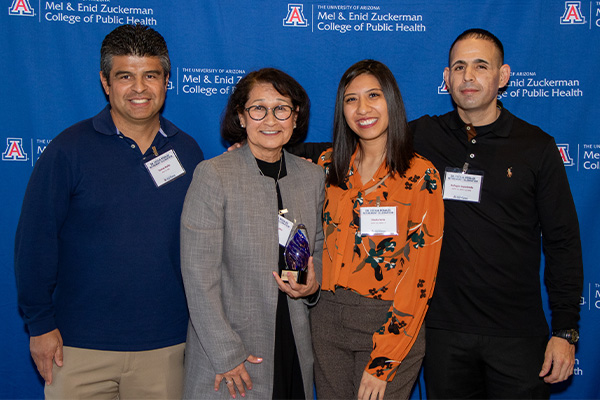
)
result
[(506, 195)]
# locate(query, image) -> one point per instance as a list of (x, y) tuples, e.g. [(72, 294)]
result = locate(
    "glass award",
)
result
[(296, 255)]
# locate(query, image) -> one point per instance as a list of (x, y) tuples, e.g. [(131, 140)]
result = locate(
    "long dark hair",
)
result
[(399, 147)]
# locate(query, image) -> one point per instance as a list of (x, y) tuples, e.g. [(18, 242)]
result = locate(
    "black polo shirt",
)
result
[(488, 279)]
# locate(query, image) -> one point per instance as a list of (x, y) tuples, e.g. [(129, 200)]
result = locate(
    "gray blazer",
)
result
[(229, 248)]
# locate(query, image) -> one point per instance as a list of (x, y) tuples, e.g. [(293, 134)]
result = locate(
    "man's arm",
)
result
[(44, 210), (310, 151), (564, 264)]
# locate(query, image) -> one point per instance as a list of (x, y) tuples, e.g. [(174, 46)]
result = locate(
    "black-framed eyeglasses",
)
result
[(258, 113)]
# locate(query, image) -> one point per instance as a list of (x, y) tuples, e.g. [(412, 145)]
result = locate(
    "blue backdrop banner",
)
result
[(51, 59)]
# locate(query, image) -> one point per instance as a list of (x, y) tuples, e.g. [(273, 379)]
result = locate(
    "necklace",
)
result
[(266, 164), (271, 174)]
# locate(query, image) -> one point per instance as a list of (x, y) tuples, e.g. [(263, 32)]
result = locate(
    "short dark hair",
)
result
[(133, 40), (285, 85), (477, 33), (399, 147)]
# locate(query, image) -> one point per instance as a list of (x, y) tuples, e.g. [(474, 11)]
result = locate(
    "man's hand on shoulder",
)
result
[(45, 349), (234, 146)]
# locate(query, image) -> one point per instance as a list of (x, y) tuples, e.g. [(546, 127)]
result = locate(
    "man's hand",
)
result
[(45, 349), (234, 146), (560, 358), (296, 290), (237, 378), (371, 388)]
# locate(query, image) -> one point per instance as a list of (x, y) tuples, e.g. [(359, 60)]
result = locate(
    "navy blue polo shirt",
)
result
[(97, 245)]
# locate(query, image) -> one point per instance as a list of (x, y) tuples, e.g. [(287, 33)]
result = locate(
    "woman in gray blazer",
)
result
[(249, 331)]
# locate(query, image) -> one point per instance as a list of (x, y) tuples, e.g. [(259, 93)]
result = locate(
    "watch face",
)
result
[(574, 336)]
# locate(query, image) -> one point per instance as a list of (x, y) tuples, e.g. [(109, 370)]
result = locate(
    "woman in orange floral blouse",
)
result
[(383, 220)]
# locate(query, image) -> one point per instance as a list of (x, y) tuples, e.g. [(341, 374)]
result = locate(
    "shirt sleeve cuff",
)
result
[(382, 368), (38, 328)]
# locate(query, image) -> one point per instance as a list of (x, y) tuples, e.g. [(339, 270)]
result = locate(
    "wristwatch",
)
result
[(571, 335)]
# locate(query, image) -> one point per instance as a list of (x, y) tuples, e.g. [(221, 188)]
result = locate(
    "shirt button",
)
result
[(472, 155), (473, 141), (133, 146), (468, 128)]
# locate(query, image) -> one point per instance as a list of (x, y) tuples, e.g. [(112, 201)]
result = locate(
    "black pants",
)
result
[(467, 366)]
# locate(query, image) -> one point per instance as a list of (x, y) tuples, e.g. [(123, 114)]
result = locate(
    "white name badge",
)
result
[(462, 186), (165, 168), (378, 221), (285, 229)]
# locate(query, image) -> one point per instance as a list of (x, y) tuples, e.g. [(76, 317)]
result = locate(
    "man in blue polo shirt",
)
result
[(97, 245)]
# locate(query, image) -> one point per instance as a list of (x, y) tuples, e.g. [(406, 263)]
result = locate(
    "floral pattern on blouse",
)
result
[(399, 268)]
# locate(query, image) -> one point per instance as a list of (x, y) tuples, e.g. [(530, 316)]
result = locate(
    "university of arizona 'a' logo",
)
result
[(22, 8), (563, 149), (572, 13), (14, 150), (443, 89), (295, 16)]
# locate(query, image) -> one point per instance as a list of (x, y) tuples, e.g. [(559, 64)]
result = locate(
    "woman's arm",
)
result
[(418, 257), (202, 233)]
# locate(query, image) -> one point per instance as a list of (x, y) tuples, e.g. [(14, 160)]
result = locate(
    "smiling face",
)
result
[(365, 109), (473, 78), (136, 90), (267, 137)]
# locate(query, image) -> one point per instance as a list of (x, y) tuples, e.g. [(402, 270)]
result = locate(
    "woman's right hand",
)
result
[(371, 388), (237, 378), (296, 290)]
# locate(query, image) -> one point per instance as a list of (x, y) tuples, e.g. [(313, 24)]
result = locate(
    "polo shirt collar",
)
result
[(500, 127), (104, 124)]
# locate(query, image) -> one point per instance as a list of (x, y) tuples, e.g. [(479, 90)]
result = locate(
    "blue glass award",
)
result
[(296, 255)]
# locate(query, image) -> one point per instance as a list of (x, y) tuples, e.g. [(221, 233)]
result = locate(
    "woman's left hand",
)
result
[(296, 290), (371, 388)]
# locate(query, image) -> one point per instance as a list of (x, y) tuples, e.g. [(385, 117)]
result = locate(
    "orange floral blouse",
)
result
[(401, 268)]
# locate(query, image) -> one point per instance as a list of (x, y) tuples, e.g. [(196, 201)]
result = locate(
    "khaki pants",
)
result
[(98, 374)]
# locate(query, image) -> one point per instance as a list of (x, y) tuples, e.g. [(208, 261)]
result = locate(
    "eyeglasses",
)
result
[(258, 113)]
